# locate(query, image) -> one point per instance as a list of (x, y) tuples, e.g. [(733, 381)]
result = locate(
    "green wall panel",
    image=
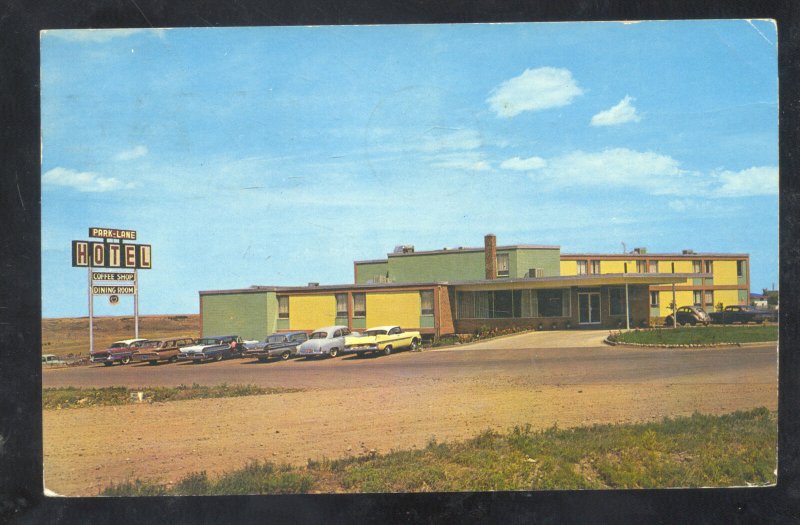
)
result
[(359, 323), (451, 266), (368, 271), (249, 315), (426, 321), (522, 260), (458, 265)]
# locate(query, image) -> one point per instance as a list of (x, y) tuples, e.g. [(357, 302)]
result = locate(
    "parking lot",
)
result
[(350, 406)]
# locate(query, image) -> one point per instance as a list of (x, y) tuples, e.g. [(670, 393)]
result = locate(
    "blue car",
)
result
[(214, 348), (283, 344)]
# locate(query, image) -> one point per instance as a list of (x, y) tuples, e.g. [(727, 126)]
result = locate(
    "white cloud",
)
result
[(440, 139), (133, 153), (534, 90), (646, 171), (96, 35), (761, 180), (84, 181), (619, 114), (518, 164), (618, 167), (468, 161)]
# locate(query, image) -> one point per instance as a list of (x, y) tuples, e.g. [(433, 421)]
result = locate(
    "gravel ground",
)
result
[(351, 406)]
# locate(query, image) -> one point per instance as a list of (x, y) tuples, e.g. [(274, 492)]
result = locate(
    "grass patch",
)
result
[(700, 335), (71, 397), (697, 451)]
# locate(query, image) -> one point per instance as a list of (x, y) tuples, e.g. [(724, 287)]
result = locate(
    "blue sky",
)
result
[(279, 155)]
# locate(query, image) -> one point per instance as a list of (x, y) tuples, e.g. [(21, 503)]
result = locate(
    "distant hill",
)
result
[(71, 335)]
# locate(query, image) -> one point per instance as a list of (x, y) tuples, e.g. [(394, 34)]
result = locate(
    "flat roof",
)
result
[(628, 256), (526, 282), (583, 280), (460, 249)]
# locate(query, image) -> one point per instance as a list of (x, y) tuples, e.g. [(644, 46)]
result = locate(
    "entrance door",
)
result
[(589, 308)]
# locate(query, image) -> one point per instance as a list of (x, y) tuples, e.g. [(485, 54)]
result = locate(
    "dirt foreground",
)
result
[(87, 449)]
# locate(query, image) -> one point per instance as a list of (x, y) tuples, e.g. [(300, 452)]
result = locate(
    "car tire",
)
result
[(107, 363), (262, 359), (414, 345), (360, 354), (692, 322), (387, 350), (285, 355), (334, 352), (153, 363), (173, 359), (218, 358), (125, 360)]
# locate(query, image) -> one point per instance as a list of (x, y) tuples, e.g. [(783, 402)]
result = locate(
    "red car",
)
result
[(119, 351)]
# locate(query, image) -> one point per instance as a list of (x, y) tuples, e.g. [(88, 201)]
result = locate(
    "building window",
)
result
[(595, 267), (641, 266), (426, 302), (709, 298), (583, 267), (283, 307), (359, 305), (503, 304), (698, 298), (341, 305), (550, 303), (502, 265), (739, 268), (616, 300), (709, 266), (697, 267), (654, 299), (527, 303), (653, 266)]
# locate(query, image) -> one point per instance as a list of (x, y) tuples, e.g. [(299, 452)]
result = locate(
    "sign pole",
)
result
[(627, 304), (91, 314), (136, 302)]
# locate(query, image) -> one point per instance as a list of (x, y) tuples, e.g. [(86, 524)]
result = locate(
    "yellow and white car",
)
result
[(381, 339)]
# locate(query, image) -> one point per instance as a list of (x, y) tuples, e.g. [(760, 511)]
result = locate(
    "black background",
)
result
[(21, 498)]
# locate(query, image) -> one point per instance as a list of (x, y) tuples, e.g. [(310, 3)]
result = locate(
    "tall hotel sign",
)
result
[(120, 261)]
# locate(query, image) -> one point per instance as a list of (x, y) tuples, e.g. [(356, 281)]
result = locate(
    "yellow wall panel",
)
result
[(682, 297), (569, 268), (401, 309), (309, 312), (725, 273), (726, 297), (681, 266), (616, 267)]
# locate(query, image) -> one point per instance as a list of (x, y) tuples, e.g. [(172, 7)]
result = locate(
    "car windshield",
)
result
[(151, 344), (276, 339), (375, 332), (119, 345), (319, 335), (208, 341)]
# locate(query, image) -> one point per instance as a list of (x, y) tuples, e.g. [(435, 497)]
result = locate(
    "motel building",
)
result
[(459, 290)]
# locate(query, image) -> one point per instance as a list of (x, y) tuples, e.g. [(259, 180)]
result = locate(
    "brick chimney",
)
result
[(490, 251)]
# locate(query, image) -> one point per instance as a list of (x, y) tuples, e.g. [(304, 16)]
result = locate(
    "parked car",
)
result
[(383, 339), (324, 341), (736, 313), (689, 314), (284, 345), (157, 350), (119, 351), (214, 348), (52, 360)]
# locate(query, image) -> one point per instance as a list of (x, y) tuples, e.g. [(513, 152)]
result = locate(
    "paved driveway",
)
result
[(543, 339)]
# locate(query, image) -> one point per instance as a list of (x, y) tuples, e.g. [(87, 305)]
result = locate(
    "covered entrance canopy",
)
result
[(600, 300)]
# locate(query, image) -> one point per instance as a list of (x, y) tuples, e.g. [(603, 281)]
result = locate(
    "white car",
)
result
[(325, 341)]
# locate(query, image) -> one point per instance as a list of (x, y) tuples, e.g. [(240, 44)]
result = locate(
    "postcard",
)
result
[(409, 258)]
